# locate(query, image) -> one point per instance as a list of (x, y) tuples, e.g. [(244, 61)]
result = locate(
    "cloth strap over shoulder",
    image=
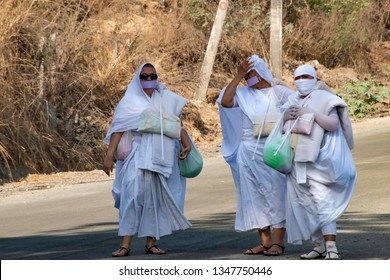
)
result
[(263, 124)]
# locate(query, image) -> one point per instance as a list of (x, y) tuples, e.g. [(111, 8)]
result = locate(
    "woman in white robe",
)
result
[(260, 189), (148, 189), (322, 180)]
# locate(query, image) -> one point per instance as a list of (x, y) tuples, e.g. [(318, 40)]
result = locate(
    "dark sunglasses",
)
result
[(145, 76)]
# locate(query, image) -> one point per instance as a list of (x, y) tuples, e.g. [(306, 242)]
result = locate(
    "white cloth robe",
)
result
[(148, 191), (260, 189), (330, 179)]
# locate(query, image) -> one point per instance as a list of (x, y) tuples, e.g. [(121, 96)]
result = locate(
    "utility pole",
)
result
[(211, 51), (276, 37)]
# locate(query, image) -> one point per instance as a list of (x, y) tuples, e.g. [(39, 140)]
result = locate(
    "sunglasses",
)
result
[(145, 76)]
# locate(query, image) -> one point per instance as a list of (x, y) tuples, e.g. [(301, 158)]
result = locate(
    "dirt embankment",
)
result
[(83, 76)]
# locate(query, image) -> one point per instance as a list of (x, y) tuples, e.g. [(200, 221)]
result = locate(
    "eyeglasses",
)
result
[(145, 76)]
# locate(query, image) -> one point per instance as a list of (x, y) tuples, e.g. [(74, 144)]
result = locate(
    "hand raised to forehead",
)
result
[(244, 67)]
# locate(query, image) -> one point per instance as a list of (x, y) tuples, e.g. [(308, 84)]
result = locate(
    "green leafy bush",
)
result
[(362, 97)]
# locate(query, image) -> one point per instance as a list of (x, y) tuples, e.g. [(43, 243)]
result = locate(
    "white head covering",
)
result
[(135, 86), (305, 70), (261, 68), (129, 108)]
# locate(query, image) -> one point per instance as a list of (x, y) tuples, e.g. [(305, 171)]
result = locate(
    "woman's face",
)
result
[(251, 74), (253, 79), (148, 78), (148, 73)]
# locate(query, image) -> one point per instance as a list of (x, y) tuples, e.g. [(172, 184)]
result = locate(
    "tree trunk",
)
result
[(208, 62), (276, 38)]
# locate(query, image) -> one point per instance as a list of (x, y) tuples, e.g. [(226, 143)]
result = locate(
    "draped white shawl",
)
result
[(127, 115), (321, 184), (252, 102), (231, 118)]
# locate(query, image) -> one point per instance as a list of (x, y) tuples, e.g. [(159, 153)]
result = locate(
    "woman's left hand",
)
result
[(184, 153)]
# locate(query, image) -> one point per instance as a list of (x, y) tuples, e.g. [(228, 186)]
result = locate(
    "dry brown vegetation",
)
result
[(66, 63)]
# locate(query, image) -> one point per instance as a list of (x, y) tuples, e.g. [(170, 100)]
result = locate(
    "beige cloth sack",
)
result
[(270, 120), (272, 115)]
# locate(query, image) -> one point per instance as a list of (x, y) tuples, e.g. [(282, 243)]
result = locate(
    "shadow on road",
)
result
[(361, 236)]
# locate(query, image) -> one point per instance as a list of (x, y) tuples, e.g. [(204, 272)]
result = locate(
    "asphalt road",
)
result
[(79, 222)]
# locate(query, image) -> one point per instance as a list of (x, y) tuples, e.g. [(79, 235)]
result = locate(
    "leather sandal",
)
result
[(313, 254), (148, 250), (118, 254), (251, 252), (275, 253)]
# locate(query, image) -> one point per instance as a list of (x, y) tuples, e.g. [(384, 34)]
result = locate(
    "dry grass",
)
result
[(64, 65), (339, 37)]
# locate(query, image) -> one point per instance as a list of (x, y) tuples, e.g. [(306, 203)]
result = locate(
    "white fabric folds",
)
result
[(320, 185), (260, 189), (148, 189)]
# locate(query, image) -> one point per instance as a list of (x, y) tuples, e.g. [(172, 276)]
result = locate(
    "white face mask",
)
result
[(305, 86)]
